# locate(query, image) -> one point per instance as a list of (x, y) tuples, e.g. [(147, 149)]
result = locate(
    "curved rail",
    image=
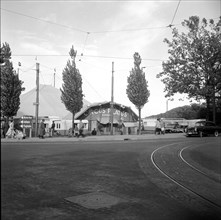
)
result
[(193, 167), (178, 183)]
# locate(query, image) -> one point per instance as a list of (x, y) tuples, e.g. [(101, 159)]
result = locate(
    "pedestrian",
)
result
[(94, 132), (129, 130), (76, 131), (158, 127), (5, 127), (42, 129), (52, 129), (162, 126), (10, 132), (81, 131)]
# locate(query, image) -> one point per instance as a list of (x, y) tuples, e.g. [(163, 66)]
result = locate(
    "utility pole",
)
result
[(19, 64), (37, 100), (54, 76), (112, 98)]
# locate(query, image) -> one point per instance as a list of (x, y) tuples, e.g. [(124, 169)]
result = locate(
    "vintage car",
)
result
[(203, 128)]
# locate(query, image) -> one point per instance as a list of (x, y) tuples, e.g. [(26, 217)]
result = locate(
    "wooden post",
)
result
[(112, 98), (37, 99)]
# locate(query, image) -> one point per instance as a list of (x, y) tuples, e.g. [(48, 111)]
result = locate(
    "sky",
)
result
[(102, 32)]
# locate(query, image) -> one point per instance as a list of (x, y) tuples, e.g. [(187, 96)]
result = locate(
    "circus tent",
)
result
[(50, 103)]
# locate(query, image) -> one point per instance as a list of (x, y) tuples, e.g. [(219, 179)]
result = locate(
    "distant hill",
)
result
[(193, 111)]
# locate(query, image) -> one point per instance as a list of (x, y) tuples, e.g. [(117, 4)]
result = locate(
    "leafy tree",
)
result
[(11, 86), (71, 94), (137, 88), (193, 66)]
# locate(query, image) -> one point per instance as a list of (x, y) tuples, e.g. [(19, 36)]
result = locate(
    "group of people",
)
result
[(10, 130), (160, 126), (79, 132), (42, 131)]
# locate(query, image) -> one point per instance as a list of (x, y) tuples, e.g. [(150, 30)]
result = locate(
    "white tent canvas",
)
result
[(50, 103)]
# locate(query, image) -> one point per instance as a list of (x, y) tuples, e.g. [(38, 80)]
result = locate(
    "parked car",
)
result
[(203, 128)]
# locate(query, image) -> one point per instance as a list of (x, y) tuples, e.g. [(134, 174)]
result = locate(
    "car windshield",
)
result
[(200, 123)]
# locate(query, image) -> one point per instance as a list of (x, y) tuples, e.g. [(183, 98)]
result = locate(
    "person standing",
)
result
[(52, 129), (42, 129), (5, 127), (81, 130), (158, 127), (162, 126), (11, 132), (76, 131)]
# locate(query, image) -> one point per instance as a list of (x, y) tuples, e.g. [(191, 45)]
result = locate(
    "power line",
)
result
[(171, 23), (28, 69), (128, 30), (92, 56), (85, 42), (46, 21), (93, 88), (83, 31)]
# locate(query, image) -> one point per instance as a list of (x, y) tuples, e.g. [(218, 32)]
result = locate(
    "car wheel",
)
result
[(216, 133)]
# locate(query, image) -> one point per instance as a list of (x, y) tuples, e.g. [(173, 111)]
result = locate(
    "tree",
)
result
[(193, 64), (137, 88), (11, 86), (71, 94)]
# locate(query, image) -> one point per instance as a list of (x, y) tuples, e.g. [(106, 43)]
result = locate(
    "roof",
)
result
[(86, 111), (49, 103)]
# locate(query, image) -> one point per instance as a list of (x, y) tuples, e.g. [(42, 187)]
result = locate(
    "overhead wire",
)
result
[(128, 30), (87, 32), (93, 56), (94, 32), (171, 23), (93, 89), (28, 69), (43, 20), (84, 45)]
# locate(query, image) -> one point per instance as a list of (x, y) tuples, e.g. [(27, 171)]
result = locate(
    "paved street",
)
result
[(122, 178)]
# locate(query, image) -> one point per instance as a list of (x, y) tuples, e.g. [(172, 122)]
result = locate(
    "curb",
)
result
[(95, 138)]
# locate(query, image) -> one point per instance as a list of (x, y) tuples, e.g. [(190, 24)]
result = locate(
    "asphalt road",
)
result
[(141, 179)]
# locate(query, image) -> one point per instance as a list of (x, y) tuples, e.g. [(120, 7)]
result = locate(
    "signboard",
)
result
[(106, 112), (26, 121)]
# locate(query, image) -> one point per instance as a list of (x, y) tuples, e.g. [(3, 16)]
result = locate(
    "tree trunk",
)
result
[(73, 114), (207, 108), (214, 108), (139, 120)]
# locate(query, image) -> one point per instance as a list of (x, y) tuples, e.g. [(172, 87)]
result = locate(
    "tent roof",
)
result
[(85, 111), (50, 103)]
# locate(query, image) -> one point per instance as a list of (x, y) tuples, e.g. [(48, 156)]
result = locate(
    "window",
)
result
[(210, 124)]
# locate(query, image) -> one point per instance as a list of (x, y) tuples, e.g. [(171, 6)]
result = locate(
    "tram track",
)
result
[(217, 179), (171, 164)]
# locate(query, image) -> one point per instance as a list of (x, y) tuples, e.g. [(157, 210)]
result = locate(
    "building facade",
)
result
[(99, 117)]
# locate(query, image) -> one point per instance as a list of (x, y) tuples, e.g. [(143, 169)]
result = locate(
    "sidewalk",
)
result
[(96, 138)]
